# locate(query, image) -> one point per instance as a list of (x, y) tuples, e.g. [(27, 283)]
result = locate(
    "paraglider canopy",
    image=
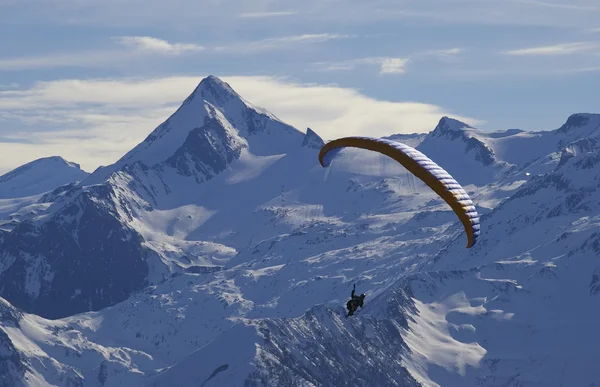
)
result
[(422, 167)]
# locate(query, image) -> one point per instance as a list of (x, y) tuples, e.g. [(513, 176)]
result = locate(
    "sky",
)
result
[(89, 79)]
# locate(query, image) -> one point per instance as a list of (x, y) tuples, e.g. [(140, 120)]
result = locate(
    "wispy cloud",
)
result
[(283, 42), (392, 65), (69, 59), (557, 5), (102, 119), (259, 15), (72, 93), (557, 13), (446, 52), (386, 65), (576, 70), (140, 47), (150, 44), (136, 47), (222, 14), (557, 49)]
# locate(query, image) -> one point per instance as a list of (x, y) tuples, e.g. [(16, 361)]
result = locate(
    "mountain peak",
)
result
[(38, 176), (312, 140), (215, 107), (213, 90), (449, 128), (579, 120), (455, 145), (447, 124), (215, 82), (51, 161)]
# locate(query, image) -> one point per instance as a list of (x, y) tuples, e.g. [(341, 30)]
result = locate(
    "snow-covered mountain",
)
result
[(218, 252), (481, 157), (39, 176), (21, 188)]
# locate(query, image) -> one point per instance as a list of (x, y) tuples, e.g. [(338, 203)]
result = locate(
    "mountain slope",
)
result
[(21, 188), (213, 102), (39, 176), (481, 157), (546, 204), (463, 154), (282, 352), (226, 256), (127, 220)]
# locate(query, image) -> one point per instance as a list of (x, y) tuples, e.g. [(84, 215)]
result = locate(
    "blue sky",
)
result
[(89, 79)]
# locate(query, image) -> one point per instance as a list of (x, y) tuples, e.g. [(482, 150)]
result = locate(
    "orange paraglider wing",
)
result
[(422, 167)]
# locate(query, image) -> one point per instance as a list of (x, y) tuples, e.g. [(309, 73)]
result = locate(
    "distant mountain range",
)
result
[(218, 252)]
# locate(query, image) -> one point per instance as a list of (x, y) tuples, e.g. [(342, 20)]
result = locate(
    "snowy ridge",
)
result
[(214, 99), (229, 261), (545, 203), (212, 138), (39, 176), (412, 140), (463, 154), (482, 157), (580, 125)]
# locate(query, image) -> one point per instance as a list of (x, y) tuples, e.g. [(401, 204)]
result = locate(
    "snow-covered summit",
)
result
[(229, 262), (213, 88), (39, 176), (481, 156), (463, 152), (212, 102), (543, 205), (159, 200), (448, 126), (271, 244), (588, 122)]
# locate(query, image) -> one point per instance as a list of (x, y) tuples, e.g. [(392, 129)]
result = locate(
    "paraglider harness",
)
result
[(354, 302)]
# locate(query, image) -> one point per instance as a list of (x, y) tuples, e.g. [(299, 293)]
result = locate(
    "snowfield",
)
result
[(218, 252)]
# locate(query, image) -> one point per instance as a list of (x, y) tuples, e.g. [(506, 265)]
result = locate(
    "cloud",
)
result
[(590, 69), (283, 42), (150, 44), (73, 93), (557, 49), (392, 65), (334, 111), (557, 5), (388, 65), (445, 52), (558, 13), (223, 15), (260, 15), (139, 48), (94, 122), (87, 58)]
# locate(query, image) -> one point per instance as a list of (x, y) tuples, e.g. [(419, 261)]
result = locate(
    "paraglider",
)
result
[(422, 167), (354, 302)]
